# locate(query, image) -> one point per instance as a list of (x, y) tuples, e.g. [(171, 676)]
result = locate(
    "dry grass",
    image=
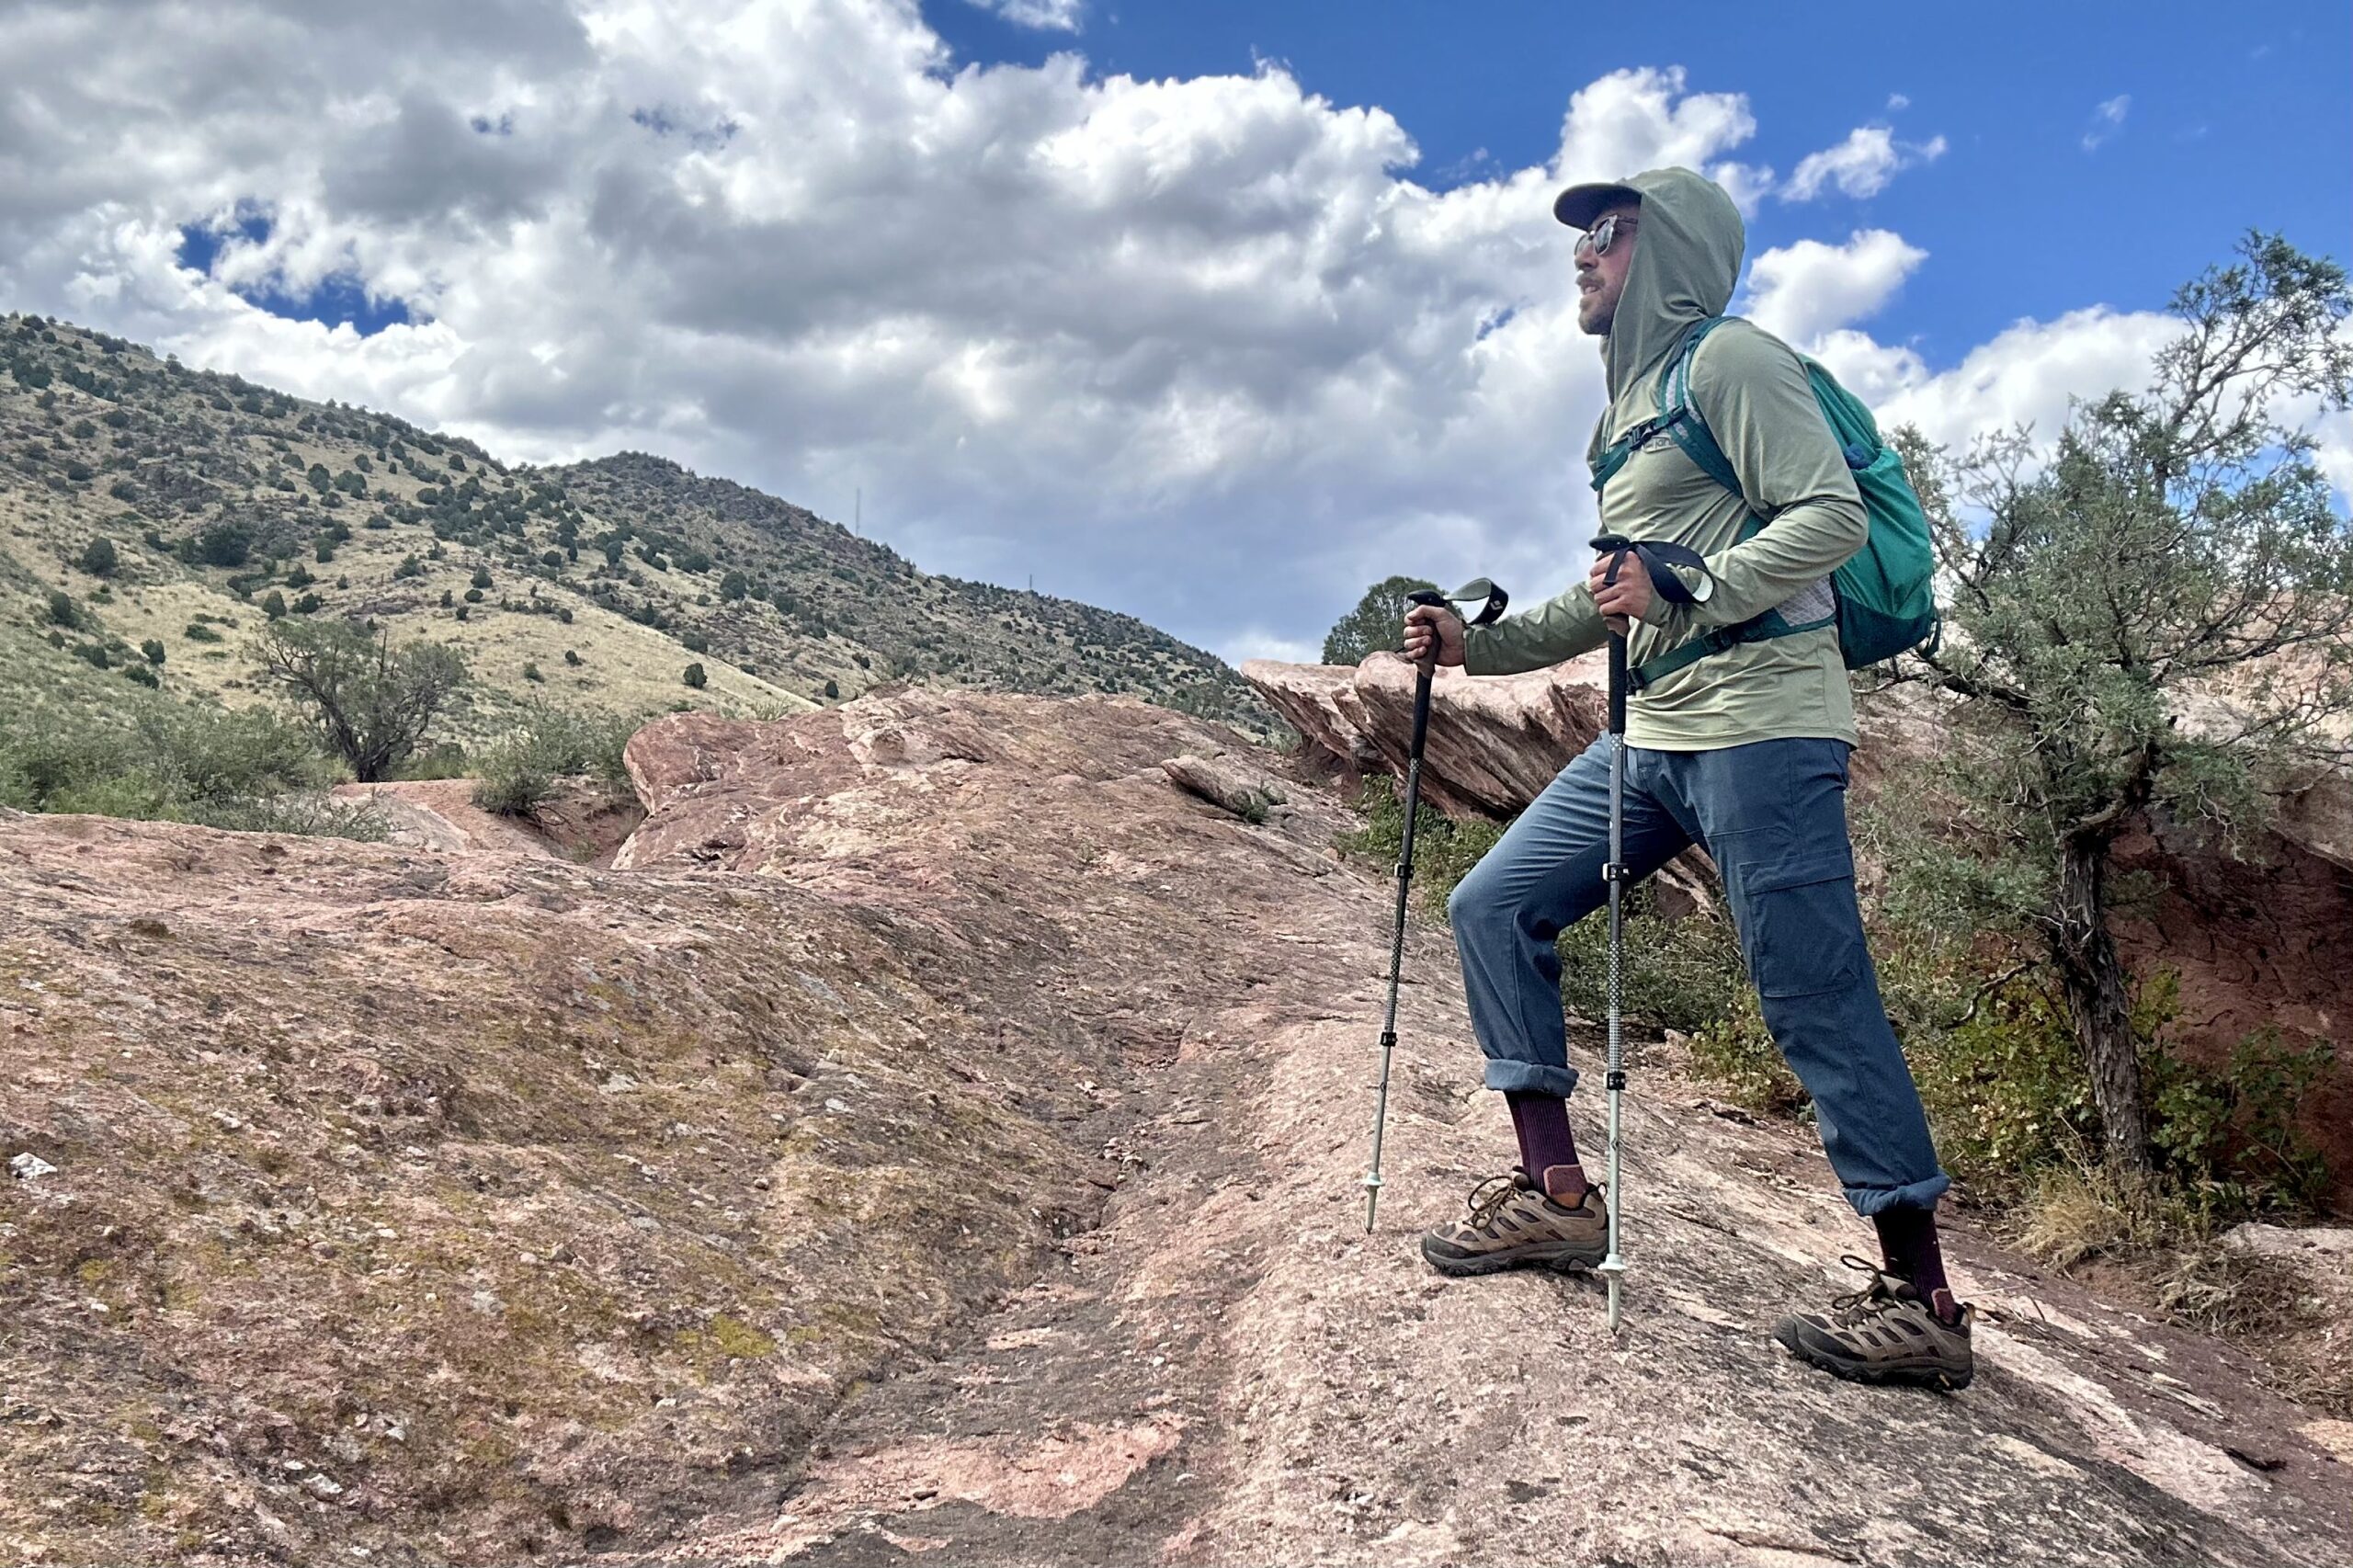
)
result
[(2152, 1237)]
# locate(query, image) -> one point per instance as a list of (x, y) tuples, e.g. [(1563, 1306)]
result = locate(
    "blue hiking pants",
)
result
[(1773, 814)]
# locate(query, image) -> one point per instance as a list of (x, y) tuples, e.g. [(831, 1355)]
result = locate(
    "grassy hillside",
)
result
[(152, 517)]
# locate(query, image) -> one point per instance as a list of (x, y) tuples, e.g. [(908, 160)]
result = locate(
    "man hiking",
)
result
[(1743, 751)]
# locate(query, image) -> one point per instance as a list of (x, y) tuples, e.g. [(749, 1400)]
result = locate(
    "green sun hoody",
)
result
[(1752, 392)]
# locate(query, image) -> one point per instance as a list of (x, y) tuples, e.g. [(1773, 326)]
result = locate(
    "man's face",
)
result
[(1602, 278)]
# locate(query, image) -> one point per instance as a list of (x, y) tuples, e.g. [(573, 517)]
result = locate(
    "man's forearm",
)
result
[(1560, 628)]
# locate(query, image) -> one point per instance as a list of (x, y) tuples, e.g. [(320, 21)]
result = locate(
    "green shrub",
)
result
[(2230, 1132), (1444, 849), (223, 543), (695, 676), (518, 770), (443, 759), (161, 760), (154, 650), (63, 610), (197, 631), (100, 559)]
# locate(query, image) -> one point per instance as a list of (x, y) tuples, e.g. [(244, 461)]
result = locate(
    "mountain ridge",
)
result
[(223, 503)]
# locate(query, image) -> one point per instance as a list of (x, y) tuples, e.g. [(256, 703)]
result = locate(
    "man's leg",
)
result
[(1507, 915), (1773, 814)]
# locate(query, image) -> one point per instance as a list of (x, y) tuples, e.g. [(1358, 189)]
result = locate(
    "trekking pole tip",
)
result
[(1372, 1200), (1612, 1269)]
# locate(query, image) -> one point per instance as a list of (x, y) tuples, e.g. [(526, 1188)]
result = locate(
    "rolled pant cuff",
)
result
[(1870, 1200), (1530, 1078)]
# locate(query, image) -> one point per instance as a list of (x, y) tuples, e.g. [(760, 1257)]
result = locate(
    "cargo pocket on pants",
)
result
[(1806, 935)]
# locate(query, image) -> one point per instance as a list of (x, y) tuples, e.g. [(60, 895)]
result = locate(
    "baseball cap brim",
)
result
[(1580, 204)]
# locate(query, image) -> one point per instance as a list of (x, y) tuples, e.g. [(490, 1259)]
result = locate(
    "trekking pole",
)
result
[(1613, 1267), (1491, 600)]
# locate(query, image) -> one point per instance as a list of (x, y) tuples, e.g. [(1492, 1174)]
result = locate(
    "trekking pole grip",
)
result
[(1616, 546), (1616, 683)]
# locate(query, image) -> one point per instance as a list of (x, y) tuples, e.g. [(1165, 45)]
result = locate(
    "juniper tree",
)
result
[(1377, 621), (370, 702), (2154, 614)]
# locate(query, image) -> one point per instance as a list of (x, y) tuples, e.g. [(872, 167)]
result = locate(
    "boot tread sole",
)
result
[(1562, 1257)]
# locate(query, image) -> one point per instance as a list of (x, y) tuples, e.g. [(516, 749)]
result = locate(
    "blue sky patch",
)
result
[(339, 300)]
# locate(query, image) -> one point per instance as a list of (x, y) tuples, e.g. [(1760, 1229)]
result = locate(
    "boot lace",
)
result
[(1861, 1306), (1487, 1198)]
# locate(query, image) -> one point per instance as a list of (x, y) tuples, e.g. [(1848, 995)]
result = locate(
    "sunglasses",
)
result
[(1597, 239)]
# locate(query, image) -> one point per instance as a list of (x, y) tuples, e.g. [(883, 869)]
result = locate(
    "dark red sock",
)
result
[(1907, 1242), (1541, 1122)]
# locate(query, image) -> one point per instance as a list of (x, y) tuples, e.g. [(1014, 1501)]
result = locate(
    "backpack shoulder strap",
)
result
[(1686, 424)]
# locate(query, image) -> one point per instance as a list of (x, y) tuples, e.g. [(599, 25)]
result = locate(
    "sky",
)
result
[(1210, 313)]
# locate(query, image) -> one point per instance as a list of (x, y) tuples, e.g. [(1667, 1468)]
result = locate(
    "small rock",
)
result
[(837, 1106), (318, 1485), (31, 1167)]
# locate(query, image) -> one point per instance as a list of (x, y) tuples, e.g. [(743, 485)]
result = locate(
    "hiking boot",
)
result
[(1514, 1225), (1882, 1333)]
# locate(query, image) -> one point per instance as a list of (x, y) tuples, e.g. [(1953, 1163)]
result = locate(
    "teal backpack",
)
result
[(1884, 596)]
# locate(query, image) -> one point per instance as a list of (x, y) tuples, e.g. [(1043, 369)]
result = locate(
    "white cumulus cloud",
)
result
[(1050, 16), (1860, 165), (1633, 121), (1802, 290)]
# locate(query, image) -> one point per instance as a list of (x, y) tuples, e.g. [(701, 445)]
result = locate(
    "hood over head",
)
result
[(1687, 259)]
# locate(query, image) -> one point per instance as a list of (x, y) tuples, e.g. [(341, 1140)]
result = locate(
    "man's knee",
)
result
[(1476, 905)]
